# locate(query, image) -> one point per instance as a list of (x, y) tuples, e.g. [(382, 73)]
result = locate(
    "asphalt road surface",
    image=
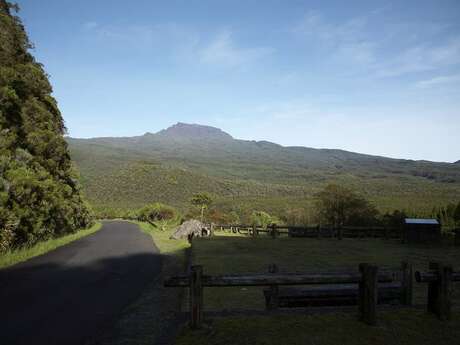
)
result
[(73, 293)]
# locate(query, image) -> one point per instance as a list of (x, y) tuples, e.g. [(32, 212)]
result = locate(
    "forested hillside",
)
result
[(40, 195), (171, 165)]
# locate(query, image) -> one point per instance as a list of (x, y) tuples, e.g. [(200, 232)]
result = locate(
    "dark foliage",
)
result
[(39, 193), (339, 206)]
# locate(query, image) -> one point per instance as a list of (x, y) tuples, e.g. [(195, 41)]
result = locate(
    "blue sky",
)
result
[(378, 77)]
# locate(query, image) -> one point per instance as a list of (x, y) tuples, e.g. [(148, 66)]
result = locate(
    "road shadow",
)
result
[(48, 303)]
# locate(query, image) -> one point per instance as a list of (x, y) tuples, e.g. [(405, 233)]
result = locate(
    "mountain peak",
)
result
[(194, 131)]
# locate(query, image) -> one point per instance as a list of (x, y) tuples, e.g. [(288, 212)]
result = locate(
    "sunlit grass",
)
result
[(16, 256)]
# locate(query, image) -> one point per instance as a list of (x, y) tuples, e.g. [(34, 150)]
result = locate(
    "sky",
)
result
[(376, 77)]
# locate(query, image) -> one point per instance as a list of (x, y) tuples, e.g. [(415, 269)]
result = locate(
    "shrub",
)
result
[(157, 214)]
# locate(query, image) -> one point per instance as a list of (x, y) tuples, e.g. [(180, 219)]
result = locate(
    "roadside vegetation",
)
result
[(40, 195), (13, 257)]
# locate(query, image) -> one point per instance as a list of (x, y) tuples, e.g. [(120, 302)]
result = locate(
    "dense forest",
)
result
[(40, 195)]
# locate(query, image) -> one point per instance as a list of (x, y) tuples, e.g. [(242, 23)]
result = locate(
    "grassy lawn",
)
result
[(230, 254), (394, 328), (23, 254)]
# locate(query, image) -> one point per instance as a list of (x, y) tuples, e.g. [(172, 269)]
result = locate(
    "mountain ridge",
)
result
[(171, 165), (187, 131)]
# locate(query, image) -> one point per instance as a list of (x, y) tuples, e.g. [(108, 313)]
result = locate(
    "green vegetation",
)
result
[(10, 258), (340, 206), (403, 327), (203, 201), (158, 215), (122, 174), (165, 245), (40, 195), (263, 219)]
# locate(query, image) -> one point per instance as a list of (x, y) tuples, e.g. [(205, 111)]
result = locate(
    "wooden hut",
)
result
[(421, 230)]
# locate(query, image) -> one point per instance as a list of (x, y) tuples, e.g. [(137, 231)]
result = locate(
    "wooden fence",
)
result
[(325, 232), (311, 231), (368, 278), (439, 278)]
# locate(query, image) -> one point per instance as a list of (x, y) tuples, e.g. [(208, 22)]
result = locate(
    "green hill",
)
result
[(171, 165)]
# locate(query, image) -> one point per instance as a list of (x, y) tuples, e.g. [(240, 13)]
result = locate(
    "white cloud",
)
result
[(223, 51), (90, 25), (350, 42), (421, 58), (447, 79)]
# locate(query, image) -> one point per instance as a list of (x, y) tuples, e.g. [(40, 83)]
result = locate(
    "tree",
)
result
[(39, 190), (339, 206), (261, 218), (203, 201)]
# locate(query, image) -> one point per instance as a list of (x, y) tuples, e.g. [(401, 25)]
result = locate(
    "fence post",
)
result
[(433, 289), (274, 291), (254, 231), (339, 233), (274, 232), (406, 283), (457, 237), (440, 292), (196, 297), (368, 293)]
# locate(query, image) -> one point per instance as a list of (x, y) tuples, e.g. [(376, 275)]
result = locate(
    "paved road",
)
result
[(71, 294)]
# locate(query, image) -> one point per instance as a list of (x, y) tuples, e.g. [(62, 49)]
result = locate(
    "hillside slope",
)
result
[(174, 163)]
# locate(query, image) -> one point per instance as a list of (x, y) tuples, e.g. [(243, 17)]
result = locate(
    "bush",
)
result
[(263, 219), (156, 212)]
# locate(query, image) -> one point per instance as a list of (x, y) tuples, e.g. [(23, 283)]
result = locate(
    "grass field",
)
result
[(224, 254), (404, 327), (232, 254), (23, 254)]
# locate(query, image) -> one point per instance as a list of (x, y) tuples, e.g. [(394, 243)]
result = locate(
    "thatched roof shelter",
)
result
[(189, 229)]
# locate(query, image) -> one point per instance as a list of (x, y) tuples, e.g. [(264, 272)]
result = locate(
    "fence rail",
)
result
[(311, 231), (368, 278), (276, 279)]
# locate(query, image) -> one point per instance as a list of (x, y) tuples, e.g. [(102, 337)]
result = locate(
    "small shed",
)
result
[(421, 230)]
